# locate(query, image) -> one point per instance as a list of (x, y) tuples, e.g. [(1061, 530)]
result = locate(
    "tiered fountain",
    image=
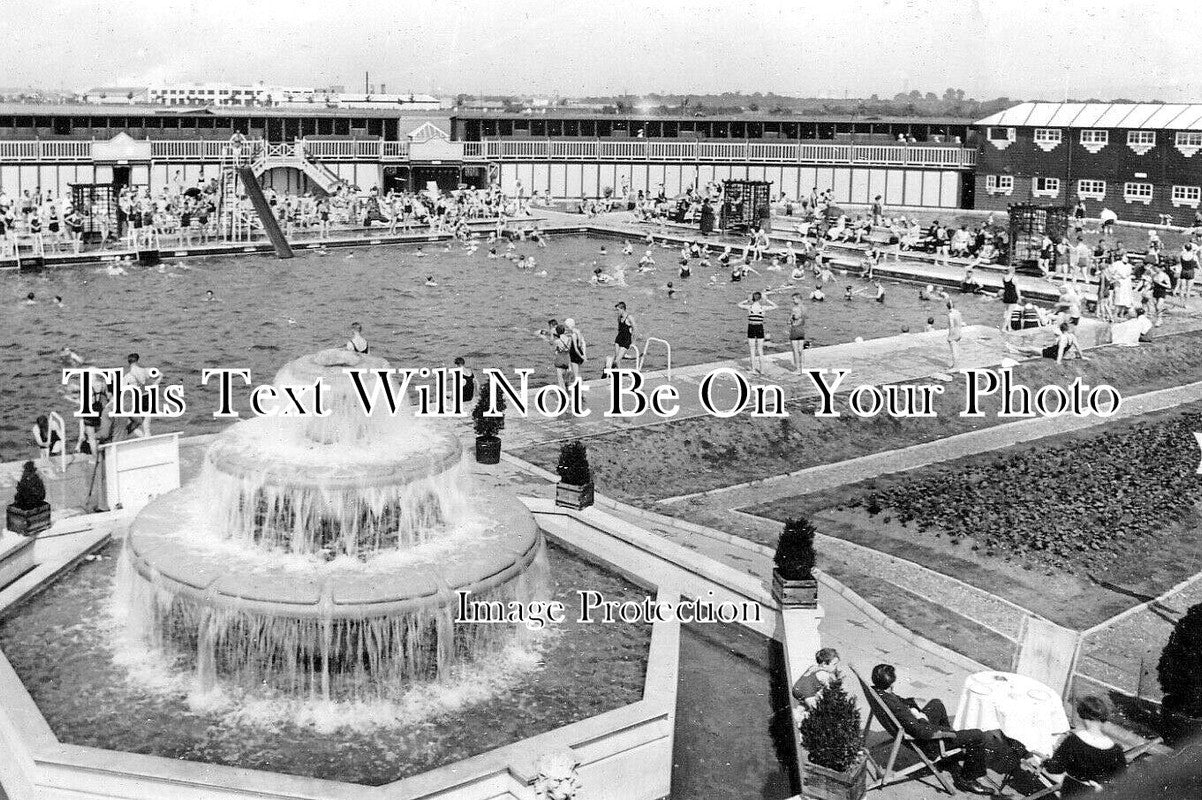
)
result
[(321, 556)]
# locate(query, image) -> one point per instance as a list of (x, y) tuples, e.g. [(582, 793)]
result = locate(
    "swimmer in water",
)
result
[(492, 252), (671, 290), (430, 281), (69, 356), (775, 266), (604, 252), (930, 324), (880, 292), (649, 239), (31, 299), (419, 253), (798, 273), (646, 263), (685, 270), (848, 293), (210, 297), (627, 248), (817, 296), (58, 301), (599, 278), (927, 293)]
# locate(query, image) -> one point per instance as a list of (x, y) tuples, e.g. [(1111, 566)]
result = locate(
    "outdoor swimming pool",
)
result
[(485, 310)]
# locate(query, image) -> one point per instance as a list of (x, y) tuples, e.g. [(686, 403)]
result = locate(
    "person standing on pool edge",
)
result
[(955, 331), (797, 331), (357, 343), (755, 306), (625, 337)]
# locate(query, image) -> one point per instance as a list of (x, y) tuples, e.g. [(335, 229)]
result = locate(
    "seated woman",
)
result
[(1088, 757)]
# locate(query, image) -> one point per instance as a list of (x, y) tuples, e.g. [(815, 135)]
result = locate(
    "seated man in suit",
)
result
[(930, 723)]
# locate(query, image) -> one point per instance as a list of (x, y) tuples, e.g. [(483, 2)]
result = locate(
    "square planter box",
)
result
[(794, 594), (820, 783), (569, 495), (488, 450), (28, 522)]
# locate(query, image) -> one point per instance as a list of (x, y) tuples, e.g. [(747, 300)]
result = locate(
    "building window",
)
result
[(1137, 192), (1091, 189), (1048, 136), (1090, 136), (999, 184), (1045, 187), (1141, 137), (1000, 134), (1187, 196), (1189, 138)]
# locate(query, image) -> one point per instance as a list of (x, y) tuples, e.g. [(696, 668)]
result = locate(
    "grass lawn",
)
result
[(1076, 593), (692, 455)]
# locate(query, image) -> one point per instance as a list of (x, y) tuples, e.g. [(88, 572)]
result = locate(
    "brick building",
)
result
[(1139, 160)]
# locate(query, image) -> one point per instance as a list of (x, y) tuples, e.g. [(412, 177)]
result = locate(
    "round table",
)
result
[(1021, 707)]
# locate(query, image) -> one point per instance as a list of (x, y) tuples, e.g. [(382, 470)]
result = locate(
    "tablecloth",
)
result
[(1023, 708)]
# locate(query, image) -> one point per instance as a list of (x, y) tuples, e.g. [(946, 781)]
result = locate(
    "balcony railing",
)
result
[(210, 150), (908, 155), (203, 149)]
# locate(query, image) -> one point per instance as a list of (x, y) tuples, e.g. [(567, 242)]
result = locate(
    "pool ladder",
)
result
[(641, 355)]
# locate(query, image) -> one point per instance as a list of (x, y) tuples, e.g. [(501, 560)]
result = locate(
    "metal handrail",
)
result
[(647, 348)]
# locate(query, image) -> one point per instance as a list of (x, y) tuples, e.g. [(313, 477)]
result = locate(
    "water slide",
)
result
[(251, 184)]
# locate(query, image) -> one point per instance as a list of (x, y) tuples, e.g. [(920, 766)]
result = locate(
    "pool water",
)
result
[(741, 746), (486, 310), (60, 644)]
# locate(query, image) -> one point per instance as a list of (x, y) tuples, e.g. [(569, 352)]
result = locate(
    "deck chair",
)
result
[(1134, 748), (886, 774)]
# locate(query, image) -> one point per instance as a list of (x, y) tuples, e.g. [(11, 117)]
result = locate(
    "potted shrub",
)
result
[(575, 487), (793, 584), (832, 739), (488, 442), (1180, 675), (29, 512)]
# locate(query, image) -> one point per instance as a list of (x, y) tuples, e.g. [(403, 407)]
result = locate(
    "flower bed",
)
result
[(1084, 504)]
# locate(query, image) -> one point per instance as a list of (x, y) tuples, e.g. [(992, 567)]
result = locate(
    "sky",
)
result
[(1028, 49)]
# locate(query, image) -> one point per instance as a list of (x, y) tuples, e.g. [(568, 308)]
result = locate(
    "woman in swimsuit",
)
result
[(797, 331), (625, 337), (1011, 299), (561, 343), (577, 348), (357, 343), (47, 439), (755, 306)]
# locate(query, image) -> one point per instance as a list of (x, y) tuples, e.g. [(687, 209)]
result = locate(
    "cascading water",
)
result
[(322, 556)]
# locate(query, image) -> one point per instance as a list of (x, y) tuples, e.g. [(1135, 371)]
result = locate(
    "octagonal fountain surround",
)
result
[(321, 556)]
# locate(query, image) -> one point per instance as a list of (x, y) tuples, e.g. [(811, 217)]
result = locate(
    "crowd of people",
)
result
[(38, 223)]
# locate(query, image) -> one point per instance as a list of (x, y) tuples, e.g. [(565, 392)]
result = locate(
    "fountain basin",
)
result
[(163, 549)]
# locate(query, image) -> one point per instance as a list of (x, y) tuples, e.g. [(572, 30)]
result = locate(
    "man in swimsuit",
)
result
[(955, 331), (140, 378), (357, 343)]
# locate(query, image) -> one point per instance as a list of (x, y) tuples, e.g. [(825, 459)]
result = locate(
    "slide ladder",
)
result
[(270, 224)]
